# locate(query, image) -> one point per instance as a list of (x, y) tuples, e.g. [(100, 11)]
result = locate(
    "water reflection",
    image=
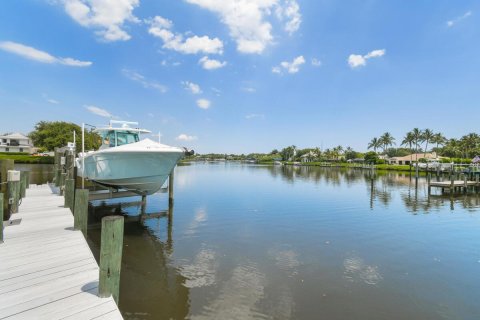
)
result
[(151, 286), (382, 186), (264, 242)]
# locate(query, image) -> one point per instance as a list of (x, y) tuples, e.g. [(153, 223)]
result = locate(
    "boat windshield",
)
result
[(113, 138)]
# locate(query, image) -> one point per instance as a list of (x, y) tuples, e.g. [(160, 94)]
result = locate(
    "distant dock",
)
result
[(454, 185), (47, 270)]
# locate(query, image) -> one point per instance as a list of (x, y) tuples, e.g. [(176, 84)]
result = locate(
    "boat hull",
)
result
[(141, 172)]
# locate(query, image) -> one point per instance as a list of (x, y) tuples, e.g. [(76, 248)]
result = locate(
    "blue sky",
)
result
[(245, 76)]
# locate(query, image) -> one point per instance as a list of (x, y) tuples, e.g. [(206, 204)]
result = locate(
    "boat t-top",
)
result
[(123, 161)]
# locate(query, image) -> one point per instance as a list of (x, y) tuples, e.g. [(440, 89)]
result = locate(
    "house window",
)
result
[(21, 149), (7, 149)]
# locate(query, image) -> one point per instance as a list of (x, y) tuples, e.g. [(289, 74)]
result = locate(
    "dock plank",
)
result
[(47, 270)]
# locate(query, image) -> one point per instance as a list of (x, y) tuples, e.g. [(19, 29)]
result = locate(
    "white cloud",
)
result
[(53, 101), (74, 62), (211, 64), (451, 23), (276, 70), (316, 62), (247, 20), (291, 13), (150, 115), (356, 60), (254, 115), (249, 89), (290, 67), (375, 54), (40, 56), (161, 28), (186, 137), (192, 87), (203, 103), (135, 76), (99, 111), (108, 16)]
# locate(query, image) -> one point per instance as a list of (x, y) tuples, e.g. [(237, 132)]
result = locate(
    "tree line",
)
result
[(419, 141)]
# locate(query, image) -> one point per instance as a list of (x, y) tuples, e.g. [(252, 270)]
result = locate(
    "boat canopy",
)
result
[(118, 133)]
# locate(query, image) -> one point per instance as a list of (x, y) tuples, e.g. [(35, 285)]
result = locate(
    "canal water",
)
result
[(274, 242)]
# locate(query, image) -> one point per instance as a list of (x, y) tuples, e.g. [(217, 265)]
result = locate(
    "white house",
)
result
[(309, 157), (410, 159), (16, 142)]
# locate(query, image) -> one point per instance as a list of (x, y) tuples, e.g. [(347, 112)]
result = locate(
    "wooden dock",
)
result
[(453, 185), (47, 270)]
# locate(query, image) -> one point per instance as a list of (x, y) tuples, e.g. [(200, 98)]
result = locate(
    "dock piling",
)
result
[(69, 164), (170, 186), (23, 184), (5, 165), (452, 179), (111, 257), (80, 216), (27, 179), (1, 218), (61, 184), (13, 186), (69, 194)]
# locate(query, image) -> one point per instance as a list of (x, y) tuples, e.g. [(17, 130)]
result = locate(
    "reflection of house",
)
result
[(412, 158), (308, 157), (15, 142)]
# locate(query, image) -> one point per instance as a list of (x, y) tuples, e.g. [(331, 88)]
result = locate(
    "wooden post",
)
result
[(23, 184), (62, 183), (57, 167), (5, 165), (429, 177), (465, 183), (13, 185), (58, 177), (69, 164), (111, 257), (80, 217), (1, 217), (27, 179), (170, 186), (69, 194), (452, 179)]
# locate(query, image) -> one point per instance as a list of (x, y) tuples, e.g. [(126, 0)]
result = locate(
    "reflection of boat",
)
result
[(125, 162)]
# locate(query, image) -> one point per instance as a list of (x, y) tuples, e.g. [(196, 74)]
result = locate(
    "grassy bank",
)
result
[(25, 158)]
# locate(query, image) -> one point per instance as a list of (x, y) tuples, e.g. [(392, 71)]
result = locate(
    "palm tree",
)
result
[(427, 136), (438, 139), (374, 144), (409, 139), (337, 151), (417, 138), (386, 140)]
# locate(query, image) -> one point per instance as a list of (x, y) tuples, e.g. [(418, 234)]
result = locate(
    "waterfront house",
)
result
[(308, 157), (16, 142), (412, 158)]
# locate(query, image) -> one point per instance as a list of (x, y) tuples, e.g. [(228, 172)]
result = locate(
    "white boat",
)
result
[(125, 162)]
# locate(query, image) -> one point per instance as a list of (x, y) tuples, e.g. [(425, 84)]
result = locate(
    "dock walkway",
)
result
[(47, 270)]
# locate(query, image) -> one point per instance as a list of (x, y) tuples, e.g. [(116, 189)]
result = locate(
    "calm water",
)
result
[(258, 242)]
